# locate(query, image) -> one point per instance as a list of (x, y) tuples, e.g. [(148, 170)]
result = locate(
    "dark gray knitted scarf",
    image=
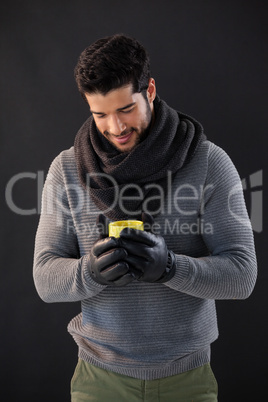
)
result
[(120, 182)]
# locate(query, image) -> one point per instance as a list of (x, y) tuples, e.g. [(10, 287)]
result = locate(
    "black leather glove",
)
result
[(103, 226), (148, 253), (107, 264)]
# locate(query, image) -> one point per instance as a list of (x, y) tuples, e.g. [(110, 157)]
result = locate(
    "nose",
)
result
[(116, 126)]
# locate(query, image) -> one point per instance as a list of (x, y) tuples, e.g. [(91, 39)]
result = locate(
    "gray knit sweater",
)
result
[(148, 330)]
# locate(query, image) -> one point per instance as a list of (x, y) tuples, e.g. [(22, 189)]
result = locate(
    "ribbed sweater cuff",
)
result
[(182, 273), (87, 276)]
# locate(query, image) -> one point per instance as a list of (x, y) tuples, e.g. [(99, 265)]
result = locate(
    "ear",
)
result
[(151, 90)]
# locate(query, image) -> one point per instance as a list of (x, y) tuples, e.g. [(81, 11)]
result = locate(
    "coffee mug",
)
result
[(116, 227)]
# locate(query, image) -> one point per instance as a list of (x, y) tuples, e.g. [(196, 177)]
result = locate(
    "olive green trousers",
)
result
[(90, 383)]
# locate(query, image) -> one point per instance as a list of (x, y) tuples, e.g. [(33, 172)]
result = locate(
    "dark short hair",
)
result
[(110, 63)]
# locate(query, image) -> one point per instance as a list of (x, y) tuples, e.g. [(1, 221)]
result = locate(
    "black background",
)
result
[(209, 60)]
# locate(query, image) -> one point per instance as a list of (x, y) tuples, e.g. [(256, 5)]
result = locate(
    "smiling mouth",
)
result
[(124, 138)]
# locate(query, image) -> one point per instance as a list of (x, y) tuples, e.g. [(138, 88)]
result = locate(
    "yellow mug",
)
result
[(116, 227)]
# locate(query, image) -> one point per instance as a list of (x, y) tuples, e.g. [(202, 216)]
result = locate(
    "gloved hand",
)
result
[(107, 264), (148, 253)]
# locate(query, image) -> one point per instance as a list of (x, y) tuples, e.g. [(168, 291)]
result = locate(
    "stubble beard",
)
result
[(141, 135)]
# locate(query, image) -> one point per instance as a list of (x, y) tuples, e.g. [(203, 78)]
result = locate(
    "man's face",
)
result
[(122, 116)]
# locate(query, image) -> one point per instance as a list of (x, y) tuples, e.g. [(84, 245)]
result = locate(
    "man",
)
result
[(148, 297)]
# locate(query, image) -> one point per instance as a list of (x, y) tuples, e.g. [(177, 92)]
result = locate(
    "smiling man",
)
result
[(148, 314), (122, 116)]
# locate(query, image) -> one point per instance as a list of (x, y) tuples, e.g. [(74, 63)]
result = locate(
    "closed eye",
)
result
[(127, 111)]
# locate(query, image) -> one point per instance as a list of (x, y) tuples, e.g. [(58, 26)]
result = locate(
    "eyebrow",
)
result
[(118, 110)]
